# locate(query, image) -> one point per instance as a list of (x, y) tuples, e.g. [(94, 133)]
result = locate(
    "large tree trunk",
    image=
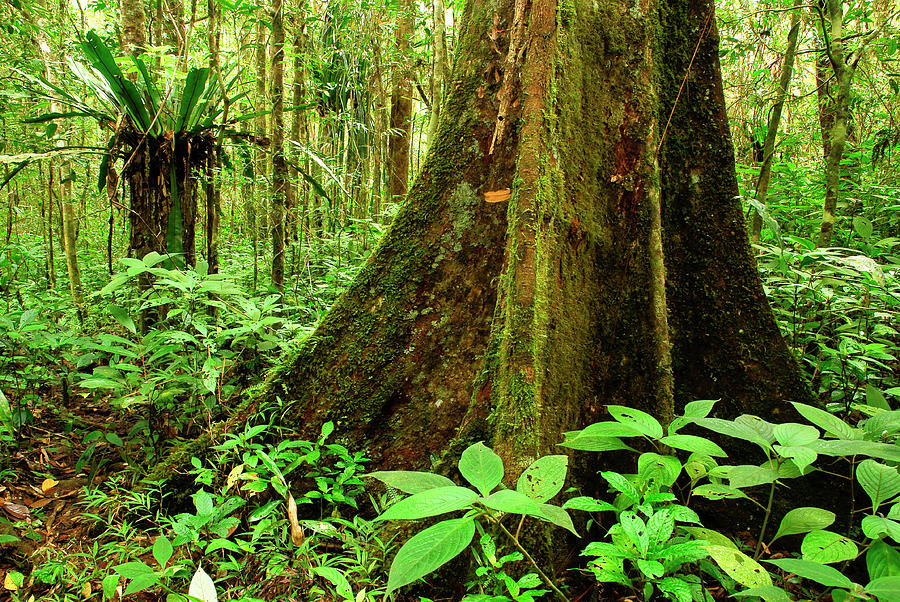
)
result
[(552, 251)]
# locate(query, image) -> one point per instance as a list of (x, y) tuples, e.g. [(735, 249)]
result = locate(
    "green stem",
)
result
[(762, 531), (532, 561)]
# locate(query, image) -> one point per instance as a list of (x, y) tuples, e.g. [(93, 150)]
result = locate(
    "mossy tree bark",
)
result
[(554, 256)]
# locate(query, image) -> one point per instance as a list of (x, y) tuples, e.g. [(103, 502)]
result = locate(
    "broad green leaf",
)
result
[(642, 421), (675, 588), (814, 571), (109, 585), (673, 555), (875, 527), (140, 583), (862, 226), (884, 424), (660, 527), (221, 543), (880, 482), (622, 485), (337, 579), (610, 429), (122, 317), (428, 550), (699, 408), (719, 492), (409, 481), (162, 550), (803, 520), (763, 428), (636, 530), (713, 537), (202, 587), (695, 444), (133, 570), (481, 467), (769, 593), (733, 429), (652, 569), (575, 440), (513, 502), (801, 455), (558, 517), (828, 422), (544, 478), (790, 434), (739, 566), (827, 547), (875, 398), (664, 470), (882, 560), (886, 588), (589, 504), (746, 475), (194, 85), (873, 449), (430, 502), (203, 502)]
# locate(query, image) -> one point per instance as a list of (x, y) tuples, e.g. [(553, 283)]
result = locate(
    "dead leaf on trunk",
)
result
[(496, 196)]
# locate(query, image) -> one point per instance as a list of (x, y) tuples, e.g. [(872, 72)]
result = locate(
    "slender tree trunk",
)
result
[(64, 190), (134, 28), (299, 131), (784, 82), (843, 66), (400, 137), (440, 67), (213, 190), (51, 201), (279, 166), (260, 181)]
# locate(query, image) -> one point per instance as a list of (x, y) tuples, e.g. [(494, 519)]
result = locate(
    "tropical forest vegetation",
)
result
[(478, 300)]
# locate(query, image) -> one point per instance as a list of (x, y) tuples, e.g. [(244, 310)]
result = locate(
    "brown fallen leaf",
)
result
[(496, 196), (297, 535), (86, 590), (48, 484), (36, 504), (16, 511)]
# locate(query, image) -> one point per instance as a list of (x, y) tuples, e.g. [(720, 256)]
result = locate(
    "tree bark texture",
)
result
[(134, 26), (400, 138)]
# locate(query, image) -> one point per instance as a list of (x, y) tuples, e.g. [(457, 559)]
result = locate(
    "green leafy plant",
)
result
[(433, 495), (491, 576)]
